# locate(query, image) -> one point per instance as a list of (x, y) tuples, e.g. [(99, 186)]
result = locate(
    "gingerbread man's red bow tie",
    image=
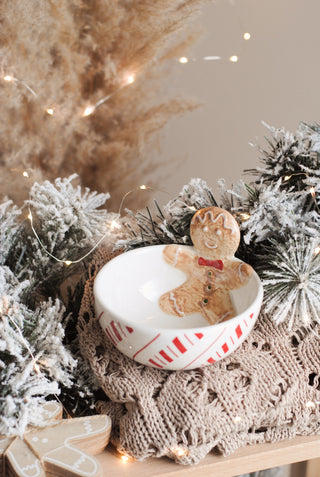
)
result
[(210, 263)]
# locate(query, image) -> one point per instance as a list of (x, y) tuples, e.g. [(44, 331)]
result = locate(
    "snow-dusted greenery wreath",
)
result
[(279, 217)]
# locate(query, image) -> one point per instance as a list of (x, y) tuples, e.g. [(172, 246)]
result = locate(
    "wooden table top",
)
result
[(246, 459)]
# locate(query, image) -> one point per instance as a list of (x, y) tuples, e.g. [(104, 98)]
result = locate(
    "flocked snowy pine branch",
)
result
[(36, 359), (277, 218), (290, 273), (68, 222), (269, 215), (267, 211), (234, 199), (170, 225), (9, 226), (33, 359), (288, 155), (276, 212)]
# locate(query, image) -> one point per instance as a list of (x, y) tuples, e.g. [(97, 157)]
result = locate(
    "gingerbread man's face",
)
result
[(215, 233)]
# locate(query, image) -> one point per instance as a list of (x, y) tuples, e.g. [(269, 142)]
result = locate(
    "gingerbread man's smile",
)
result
[(210, 244)]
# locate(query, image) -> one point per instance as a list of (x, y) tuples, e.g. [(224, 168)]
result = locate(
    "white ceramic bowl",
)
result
[(127, 290)]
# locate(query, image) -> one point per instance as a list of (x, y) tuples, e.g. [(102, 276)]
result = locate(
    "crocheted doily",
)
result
[(265, 391)]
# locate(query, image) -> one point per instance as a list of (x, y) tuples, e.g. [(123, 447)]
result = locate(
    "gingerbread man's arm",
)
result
[(235, 274), (179, 256)]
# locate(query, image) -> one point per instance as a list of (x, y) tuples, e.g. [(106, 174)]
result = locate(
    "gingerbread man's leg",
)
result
[(217, 307), (181, 301)]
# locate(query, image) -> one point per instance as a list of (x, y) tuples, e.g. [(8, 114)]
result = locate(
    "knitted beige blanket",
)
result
[(267, 390)]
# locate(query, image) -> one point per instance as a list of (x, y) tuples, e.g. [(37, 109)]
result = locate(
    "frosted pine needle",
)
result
[(170, 225), (276, 212), (291, 280), (289, 154), (9, 214)]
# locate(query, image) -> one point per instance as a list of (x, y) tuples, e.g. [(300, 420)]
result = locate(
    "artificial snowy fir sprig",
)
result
[(312, 181), (10, 285), (289, 155), (265, 211), (67, 222), (34, 363), (177, 214), (234, 199), (9, 226), (290, 273), (170, 224), (275, 212), (67, 213), (36, 358)]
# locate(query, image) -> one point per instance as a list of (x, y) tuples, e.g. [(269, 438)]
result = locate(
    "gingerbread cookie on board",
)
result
[(57, 450), (210, 267)]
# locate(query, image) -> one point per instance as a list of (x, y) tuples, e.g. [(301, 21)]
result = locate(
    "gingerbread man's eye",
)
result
[(205, 301)]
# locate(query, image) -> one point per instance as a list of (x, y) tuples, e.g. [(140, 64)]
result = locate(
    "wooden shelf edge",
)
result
[(244, 460)]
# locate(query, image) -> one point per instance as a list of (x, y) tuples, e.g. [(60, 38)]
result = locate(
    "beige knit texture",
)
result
[(265, 391)]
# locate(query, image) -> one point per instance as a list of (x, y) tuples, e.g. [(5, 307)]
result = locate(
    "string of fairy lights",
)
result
[(115, 224), (127, 79), (233, 58), (89, 110), (178, 451)]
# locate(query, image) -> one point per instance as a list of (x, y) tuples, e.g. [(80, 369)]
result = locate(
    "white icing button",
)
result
[(35, 439), (44, 440)]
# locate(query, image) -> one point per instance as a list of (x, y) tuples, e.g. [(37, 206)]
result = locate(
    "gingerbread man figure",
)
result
[(210, 267)]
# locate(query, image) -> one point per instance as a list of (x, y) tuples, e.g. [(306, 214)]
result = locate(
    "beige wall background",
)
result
[(276, 80)]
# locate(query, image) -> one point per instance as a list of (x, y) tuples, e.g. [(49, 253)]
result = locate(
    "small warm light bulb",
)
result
[(191, 207), (8, 78), (286, 178), (143, 187), (67, 262), (244, 216), (25, 174), (115, 225), (44, 363), (36, 367), (30, 216), (124, 459), (237, 419), (310, 404), (88, 111), (312, 191), (50, 111), (246, 36), (183, 59), (130, 79), (317, 250), (233, 58), (179, 451)]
